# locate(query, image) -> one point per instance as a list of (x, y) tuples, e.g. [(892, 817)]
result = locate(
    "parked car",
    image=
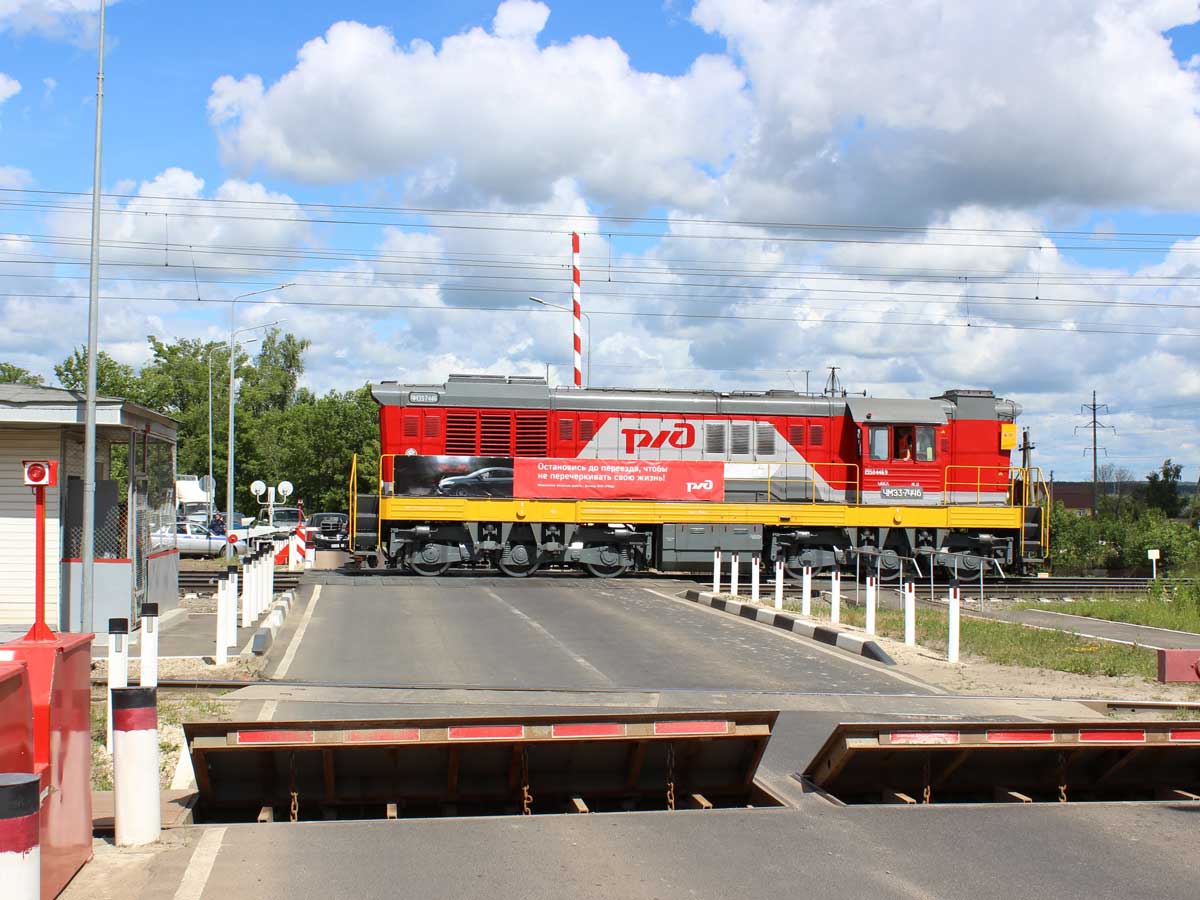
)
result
[(330, 530), (496, 481), (194, 539)]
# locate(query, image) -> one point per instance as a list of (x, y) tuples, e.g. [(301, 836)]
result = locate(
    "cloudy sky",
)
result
[(926, 194)]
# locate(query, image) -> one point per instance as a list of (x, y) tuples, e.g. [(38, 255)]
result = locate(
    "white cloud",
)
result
[(501, 115), (73, 20), (9, 87), (12, 177)]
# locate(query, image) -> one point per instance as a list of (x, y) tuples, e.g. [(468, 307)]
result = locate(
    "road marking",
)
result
[(267, 713), (299, 635), (200, 866), (551, 638), (806, 642)]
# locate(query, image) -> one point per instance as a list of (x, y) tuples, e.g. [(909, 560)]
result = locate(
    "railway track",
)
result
[(205, 581)]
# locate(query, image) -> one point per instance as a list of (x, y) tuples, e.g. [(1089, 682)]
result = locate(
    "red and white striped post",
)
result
[(231, 608), (136, 810), (716, 571), (149, 673), (247, 598), (20, 854), (222, 653), (577, 309), (835, 597), (734, 565), (871, 591), (754, 576)]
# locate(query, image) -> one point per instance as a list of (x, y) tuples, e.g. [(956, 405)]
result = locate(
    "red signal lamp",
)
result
[(40, 472)]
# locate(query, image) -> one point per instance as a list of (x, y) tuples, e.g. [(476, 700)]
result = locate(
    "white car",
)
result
[(194, 539)]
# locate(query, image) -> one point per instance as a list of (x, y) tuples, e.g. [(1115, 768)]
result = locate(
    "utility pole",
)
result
[(1095, 408), (87, 550)]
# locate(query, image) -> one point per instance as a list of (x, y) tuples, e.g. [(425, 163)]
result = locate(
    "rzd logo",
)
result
[(680, 436), (706, 485)]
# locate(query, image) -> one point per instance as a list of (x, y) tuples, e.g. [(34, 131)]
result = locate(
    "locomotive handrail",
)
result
[(851, 481), (352, 506), (1001, 480)]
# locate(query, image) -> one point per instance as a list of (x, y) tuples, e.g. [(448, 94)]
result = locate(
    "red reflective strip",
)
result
[(594, 729), (483, 732), (382, 735), (276, 737), (19, 835), (144, 718), (924, 737), (1185, 734), (691, 727), (1020, 737), (1127, 736)]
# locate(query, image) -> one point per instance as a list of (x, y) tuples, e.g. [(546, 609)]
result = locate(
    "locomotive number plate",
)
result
[(915, 492)]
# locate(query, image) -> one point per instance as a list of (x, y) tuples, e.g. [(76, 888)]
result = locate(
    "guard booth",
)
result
[(136, 558)]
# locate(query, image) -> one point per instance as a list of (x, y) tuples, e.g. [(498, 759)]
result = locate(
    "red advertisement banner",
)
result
[(618, 479)]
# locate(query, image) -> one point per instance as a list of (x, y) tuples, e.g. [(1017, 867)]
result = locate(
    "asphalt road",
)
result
[(461, 646)]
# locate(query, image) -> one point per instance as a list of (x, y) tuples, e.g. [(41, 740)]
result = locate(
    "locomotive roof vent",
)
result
[(496, 379), (953, 395)]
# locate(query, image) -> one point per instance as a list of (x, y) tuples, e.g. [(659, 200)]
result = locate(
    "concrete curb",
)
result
[(278, 611), (843, 640)]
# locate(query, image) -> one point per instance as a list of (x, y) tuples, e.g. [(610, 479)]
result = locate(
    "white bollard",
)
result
[(835, 597), (118, 669), (293, 555), (20, 853), (269, 593), (754, 585), (716, 571), (222, 654), (806, 592), (953, 617), (310, 550), (779, 583), (870, 604), (248, 594), (734, 565), (231, 599), (149, 673), (910, 614), (136, 810)]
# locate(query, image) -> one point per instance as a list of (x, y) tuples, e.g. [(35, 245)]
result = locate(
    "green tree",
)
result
[(11, 374), (1162, 488), (113, 379)]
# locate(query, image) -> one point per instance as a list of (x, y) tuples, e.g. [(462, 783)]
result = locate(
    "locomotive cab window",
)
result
[(925, 443), (878, 442), (903, 440)]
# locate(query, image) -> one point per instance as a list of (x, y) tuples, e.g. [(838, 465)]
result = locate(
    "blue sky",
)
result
[(986, 132)]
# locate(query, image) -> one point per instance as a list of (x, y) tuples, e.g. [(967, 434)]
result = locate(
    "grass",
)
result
[(1008, 644), (174, 708), (1179, 610)]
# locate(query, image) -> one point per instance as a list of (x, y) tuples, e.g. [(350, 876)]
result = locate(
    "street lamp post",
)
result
[(232, 358), (212, 483), (589, 331)]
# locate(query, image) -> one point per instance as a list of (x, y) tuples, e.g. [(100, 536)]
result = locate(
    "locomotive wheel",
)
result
[(522, 561), (610, 566), (429, 561)]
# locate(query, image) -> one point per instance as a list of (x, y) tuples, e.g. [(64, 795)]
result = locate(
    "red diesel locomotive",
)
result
[(508, 471)]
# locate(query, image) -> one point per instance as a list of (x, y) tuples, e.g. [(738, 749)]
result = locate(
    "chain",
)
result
[(927, 791), (1062, 778), (526, 795), (294, 810), (670, 776)]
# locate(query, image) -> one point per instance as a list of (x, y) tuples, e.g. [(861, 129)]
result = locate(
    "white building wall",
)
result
[(17, 526)]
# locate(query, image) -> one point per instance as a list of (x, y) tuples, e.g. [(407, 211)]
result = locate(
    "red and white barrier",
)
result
[(754, 577), (118, 669), (149, 672), (835, 597), (20, 852), (806, 592), (955, 610), (716, 571), (871, 600), (734, 564), (910, 613), (137, 814)]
